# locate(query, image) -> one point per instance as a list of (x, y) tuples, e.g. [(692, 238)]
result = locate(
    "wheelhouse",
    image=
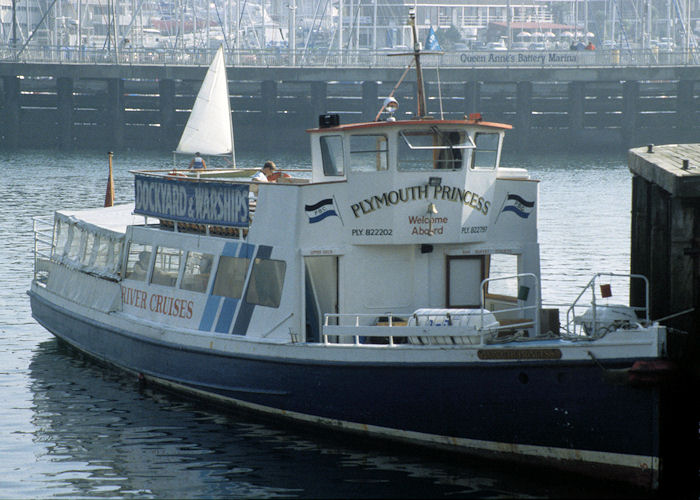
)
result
[(406, 146)]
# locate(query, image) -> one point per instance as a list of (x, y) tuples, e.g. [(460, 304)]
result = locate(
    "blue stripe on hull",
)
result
[(209, 314), (223, 325), (555, 404), (245, 313)]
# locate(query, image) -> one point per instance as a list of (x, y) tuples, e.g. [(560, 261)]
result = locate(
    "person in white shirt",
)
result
[(265, 173)]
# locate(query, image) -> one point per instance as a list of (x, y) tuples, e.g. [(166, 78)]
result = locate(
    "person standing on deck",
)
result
[(197, 162)]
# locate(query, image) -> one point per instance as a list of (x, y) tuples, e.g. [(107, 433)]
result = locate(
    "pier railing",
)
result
[(362, 58)]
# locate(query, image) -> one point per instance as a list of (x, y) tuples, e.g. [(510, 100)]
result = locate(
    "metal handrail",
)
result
[(381, 331), (570, 312), (537, 305), (43, 229)]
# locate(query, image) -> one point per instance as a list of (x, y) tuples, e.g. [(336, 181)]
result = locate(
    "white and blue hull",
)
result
[(575, 414)]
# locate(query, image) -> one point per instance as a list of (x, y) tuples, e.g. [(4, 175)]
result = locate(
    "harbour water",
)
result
[(71, 428)]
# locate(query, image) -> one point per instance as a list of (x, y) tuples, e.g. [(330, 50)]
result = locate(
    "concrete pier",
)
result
[(666, 238), (10, 125), (142, 107), (666, 249)]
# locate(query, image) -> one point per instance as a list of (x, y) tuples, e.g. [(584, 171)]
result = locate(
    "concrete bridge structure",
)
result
[(138, 106)]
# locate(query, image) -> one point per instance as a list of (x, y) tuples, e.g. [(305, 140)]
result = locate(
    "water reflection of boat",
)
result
[(391, 290), (100, 435)]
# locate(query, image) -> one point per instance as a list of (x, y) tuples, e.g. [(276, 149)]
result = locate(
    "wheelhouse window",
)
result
[(167, 266), (138, 261), (230, 276), (486, 152), (433, 148), (266, 282), (195, 277), (368, 153), (332, 155)]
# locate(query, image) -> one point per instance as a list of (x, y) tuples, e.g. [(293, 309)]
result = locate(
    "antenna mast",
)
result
[(419, 71)]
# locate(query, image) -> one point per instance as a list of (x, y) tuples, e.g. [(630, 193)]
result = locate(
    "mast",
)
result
[(419, 71), (14, 29)]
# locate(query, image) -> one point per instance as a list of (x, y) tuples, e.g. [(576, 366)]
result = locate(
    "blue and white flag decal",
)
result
[(431, 43), (319, 211), (518, 205)]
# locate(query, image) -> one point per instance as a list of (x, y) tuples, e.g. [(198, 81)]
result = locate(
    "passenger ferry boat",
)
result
[(392, 289)]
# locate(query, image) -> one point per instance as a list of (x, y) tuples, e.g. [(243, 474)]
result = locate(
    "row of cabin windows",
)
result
[(264, 284), (418, 150), (83, 249)]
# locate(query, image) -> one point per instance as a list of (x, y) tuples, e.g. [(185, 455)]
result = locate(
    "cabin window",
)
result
[(197, 271), (230, 277), (266, 282), (368, 153), (74, 247), (90, 241), (433, 149), (61, 238), (167, 266), (486, 152), (332, 155), (138, 261), (105, 252)]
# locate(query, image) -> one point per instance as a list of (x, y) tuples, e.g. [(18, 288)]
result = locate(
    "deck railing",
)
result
[(43, 246), (576, 327), (425, 328), (395, 331)]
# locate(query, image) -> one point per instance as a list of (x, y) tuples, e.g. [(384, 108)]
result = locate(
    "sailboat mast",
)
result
[(228, 106), (419, 71)]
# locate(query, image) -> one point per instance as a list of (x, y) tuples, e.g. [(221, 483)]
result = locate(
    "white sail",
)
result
[(209, 129)]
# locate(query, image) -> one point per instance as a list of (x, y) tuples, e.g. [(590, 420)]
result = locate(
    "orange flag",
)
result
[(109, 196)]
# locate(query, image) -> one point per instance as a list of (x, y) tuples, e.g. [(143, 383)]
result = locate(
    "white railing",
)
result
[(394, 331), (430, 327), (577, 328), (43, 246), (520, 311)]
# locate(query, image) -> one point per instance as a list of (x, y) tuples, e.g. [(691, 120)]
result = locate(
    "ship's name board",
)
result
[(215, 203), (423, 192)]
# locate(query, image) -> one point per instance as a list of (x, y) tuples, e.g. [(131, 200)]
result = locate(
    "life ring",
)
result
[(276, 175), (175, 173)]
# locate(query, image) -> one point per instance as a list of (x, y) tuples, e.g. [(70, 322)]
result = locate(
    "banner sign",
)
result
[(215, 203), (532, 58)]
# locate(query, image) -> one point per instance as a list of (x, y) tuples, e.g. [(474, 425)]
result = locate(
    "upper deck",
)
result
[(383, 182)]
